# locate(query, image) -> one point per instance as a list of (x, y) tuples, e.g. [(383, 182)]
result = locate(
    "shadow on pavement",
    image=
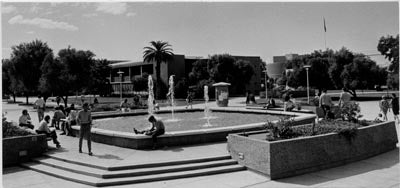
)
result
[(108, 156), (380, 162), (13, 169)]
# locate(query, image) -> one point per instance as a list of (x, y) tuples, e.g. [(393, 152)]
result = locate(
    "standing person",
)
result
[(44, 129), (58, 100), (82, 100), (156, 129), (325, 102), (395, 107), (384, 107), (58, 115), (189, 100), (345, 98), (84, 120), (25, 120), (40, 105)]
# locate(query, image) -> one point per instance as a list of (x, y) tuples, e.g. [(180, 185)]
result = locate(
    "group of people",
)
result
[(290, 103), (64, 117), (324, 101)]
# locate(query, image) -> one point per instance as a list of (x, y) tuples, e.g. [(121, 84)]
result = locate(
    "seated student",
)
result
[(58, 115), (288, 105), (156, 105), (124, 106), (270, 103), (25, 120), (71, 119), (44, 129), (156, 129)]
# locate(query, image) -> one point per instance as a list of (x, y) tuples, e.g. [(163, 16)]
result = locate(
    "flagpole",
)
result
[(325, 33)]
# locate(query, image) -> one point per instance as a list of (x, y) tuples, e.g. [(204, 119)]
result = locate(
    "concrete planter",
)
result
[(291, 157), (23, 148)]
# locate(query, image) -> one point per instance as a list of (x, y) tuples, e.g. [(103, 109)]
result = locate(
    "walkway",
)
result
[(379, 171)]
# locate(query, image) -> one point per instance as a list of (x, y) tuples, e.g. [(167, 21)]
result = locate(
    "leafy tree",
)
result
[(10, 83), (242, 72), (70, 72), (360, 74), (318, 72), (27, 59), (342, 57), (99, 72), (159, 51), (389, 47), (140, 83)]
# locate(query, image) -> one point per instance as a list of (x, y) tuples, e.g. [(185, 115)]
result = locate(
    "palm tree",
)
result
[(159, 51)]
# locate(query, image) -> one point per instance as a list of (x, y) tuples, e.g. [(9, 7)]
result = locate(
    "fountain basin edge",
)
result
[(179, 138)]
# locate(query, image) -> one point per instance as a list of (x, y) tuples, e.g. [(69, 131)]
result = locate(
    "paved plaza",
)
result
[(381, 171)]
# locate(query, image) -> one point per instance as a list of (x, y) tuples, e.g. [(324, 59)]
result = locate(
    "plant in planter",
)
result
[(10, 129), (280, 130), (351, 112)]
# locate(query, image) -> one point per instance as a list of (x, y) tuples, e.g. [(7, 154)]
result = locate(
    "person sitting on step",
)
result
[(44, 129)]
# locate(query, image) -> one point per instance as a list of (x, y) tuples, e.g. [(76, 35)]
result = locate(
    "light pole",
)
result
[(308, 87), (266, 83), (120, 86)]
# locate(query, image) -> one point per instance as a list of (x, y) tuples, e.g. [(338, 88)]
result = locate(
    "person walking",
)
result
[(44, 129), (156, 129), (25, 120), (384, 107), (345, 98), (395, 107), (84, 120), (325, 102), (40, 105)]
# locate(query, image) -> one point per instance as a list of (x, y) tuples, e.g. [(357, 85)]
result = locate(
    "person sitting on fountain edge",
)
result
[(156, 129)]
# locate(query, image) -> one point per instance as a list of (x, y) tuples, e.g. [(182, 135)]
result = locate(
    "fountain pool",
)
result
[(116, 129)]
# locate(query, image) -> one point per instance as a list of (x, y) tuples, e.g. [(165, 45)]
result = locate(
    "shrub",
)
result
[(282, 129), (10, 129), (351, 112), (105, 107)]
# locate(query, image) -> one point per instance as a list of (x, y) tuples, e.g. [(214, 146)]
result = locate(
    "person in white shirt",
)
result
[(25, 120), (71, 119), (40, 105), (44, 129), (345, 98)]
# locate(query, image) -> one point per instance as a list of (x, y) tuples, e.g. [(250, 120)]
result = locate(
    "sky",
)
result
[(120, 30)]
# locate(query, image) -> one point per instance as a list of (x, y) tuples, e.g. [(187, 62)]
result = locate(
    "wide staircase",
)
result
[(100, 176)]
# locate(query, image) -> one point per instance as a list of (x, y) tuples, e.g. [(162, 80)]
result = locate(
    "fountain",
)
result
[(150, 99), (207, 111), (172, 98)]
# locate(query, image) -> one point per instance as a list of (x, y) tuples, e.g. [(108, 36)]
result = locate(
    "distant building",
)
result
[(278, 67), (180, 66)]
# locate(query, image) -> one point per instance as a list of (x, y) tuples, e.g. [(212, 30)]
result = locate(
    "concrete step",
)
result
[(146, 165), (99, 182), (131, 172)]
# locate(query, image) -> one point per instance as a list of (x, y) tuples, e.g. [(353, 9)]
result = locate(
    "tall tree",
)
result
[(27, 59), (99, 82), (11, 85), (159, 51), (389, 47)]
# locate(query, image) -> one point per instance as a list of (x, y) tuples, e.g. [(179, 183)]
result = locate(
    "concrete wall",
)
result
[(23, 148), (292, 157)]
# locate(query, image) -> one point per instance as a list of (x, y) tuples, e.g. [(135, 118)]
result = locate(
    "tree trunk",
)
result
[(65, 100), (15, 97), (27, 99)]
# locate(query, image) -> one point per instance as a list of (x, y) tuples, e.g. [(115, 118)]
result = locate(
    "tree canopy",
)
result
[(389, 47)]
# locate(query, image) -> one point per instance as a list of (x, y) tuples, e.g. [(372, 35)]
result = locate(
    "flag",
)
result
[(324, 25)]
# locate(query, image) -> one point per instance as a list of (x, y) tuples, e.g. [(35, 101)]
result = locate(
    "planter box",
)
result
[(291, 157), (23, 148)]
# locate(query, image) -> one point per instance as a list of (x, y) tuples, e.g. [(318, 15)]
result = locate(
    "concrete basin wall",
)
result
[(291, 157)]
